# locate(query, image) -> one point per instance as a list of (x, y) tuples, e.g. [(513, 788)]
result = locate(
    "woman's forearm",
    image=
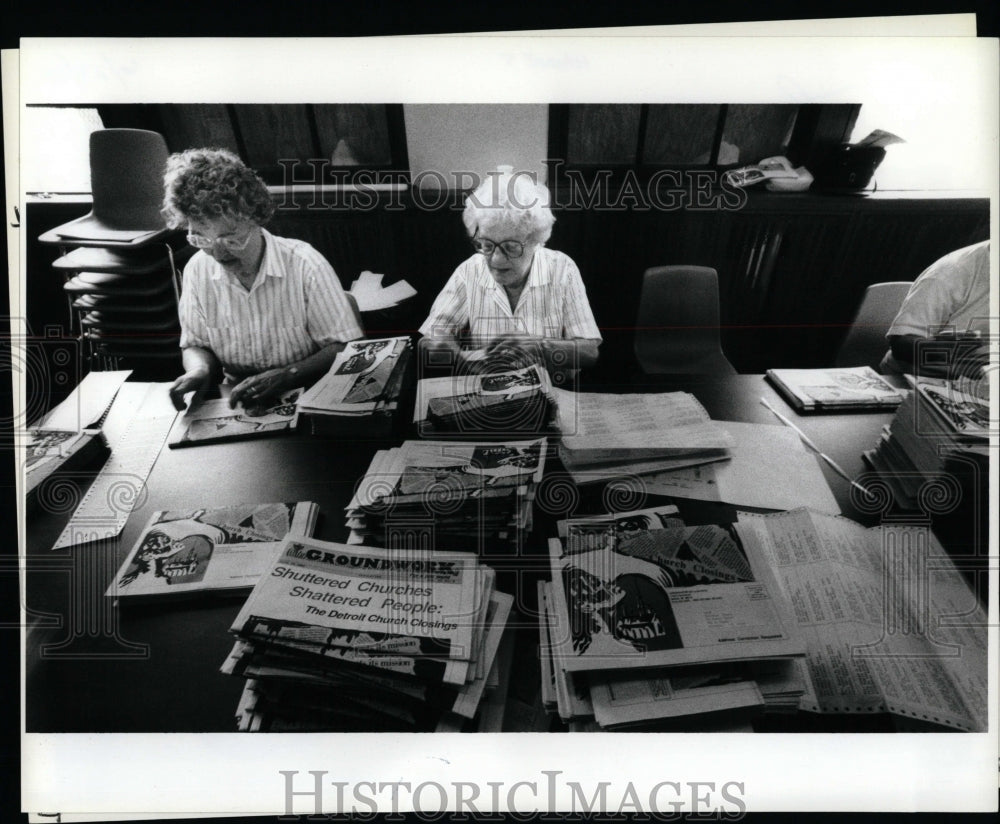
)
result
[(317, 364), (198, 359)]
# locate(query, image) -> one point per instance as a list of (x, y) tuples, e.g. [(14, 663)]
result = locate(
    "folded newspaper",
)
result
[(504, 403), (215, 421), (375, 600), (360, 381), (608, 435), (664, 597), (202, 550)]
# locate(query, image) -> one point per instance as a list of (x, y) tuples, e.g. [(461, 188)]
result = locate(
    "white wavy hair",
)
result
[(515, 197)]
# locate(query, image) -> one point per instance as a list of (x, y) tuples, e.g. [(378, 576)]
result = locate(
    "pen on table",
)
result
[(808, 442)]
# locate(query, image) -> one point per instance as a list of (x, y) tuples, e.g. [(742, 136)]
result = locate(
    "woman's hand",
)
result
[(190, 381), (515, 350), (259, 389)]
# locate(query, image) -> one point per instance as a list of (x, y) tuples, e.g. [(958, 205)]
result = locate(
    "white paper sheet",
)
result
[(770, 468), (86, 404)]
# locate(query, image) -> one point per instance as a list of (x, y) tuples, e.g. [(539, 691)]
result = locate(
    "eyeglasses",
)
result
[(227, 242), (511, 248)]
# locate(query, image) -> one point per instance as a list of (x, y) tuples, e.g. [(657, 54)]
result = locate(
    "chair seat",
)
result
[(151, 341), (109, 303), (85, 231), (111, 322), (143, 261), (138, 351), (117, 285)]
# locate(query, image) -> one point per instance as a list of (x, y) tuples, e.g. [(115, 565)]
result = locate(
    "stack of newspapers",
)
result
[(607, 435), (500, 404), (360, 392), (344, 638), (448, 494), (939, 420), (648, 623)]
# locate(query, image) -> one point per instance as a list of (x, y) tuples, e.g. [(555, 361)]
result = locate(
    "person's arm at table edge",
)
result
[(198, 366), (966, 360), (558, 353), (444, 351), (271, 382)]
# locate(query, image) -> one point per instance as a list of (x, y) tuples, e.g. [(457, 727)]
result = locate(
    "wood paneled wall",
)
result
[(792, 268)]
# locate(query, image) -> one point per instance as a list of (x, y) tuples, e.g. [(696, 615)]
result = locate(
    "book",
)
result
[(202, 550), (631, 701), (303, 675), (214, 421), (632, 690), (964, 415), (835, 390)]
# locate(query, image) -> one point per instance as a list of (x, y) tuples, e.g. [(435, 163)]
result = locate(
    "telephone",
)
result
[(778, 173)]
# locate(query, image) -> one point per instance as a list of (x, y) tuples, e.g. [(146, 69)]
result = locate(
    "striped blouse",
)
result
[(295, 307), (553, 304)]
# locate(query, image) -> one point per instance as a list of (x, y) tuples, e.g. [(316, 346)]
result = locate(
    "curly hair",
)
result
[(209, 183), (515, 197)]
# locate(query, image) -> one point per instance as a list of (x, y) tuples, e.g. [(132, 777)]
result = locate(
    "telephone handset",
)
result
[(777, 171)]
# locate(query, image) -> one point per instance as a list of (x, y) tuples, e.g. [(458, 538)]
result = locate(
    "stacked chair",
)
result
[(120, 262)]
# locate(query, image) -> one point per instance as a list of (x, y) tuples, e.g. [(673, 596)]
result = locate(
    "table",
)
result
[(91, 667)]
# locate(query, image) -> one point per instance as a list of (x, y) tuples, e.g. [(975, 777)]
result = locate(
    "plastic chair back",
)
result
[(677, 326), (126, 178), (865, 344)]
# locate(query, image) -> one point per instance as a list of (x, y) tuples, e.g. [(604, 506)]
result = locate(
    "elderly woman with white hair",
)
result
[(514, 301)]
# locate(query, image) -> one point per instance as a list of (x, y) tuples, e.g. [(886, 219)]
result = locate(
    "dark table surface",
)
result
[(93, 666)]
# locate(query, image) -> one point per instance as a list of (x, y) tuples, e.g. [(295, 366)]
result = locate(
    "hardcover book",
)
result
[(845, 388)]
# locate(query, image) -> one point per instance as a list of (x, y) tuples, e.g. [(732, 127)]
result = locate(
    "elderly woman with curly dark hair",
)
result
[(269, 310), (514, 301)]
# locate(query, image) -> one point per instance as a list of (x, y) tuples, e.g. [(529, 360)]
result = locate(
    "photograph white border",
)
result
[(177, 774)]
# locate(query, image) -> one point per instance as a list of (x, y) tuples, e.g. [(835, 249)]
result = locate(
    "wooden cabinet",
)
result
[(792, 267)]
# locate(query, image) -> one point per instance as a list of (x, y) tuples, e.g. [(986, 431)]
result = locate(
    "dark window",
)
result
[(335, 138), (646, 137)]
